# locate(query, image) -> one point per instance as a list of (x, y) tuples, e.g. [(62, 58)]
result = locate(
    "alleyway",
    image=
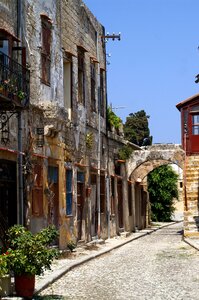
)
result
[(157, 266)]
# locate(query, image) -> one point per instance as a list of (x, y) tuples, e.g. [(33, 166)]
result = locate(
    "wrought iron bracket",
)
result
[(5, 116)]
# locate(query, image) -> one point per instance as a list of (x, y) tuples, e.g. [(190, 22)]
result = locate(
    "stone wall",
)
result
[(191, 198)]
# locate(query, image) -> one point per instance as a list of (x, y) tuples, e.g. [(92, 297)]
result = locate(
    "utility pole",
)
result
[(104, 38)]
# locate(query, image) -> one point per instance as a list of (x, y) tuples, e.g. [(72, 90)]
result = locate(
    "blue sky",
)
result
[(154, 65)]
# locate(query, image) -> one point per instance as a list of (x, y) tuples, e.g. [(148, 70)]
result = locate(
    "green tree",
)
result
[(136, 128), (162, 187)]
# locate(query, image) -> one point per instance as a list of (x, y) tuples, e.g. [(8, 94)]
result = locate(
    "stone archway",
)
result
[(144, 161), (140, 164)]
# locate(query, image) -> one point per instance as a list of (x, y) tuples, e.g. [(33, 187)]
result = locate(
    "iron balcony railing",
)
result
[(14, 81)]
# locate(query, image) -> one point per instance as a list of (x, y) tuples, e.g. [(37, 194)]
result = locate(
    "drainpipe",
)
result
[(185, 167), (99, 142), (20, 200), (108, 154)]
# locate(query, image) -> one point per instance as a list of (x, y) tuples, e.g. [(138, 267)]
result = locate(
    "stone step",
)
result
[(121, 230), (93, 238), (80, 243), (125, 234), (95, 242)]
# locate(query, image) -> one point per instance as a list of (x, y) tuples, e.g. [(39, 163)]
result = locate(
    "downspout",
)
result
[(108, 153), (99, 143), (185, 167), (20, 200)]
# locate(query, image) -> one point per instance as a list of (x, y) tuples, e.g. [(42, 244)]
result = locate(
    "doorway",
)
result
[(120, 204), (8, 195), (80, 203), (53, 197)]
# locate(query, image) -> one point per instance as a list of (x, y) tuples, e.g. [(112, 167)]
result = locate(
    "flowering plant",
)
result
[(11, 86), (4, 264)]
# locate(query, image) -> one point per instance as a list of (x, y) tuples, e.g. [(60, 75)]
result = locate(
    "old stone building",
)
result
[(59, 162), (67, 63), (189, 110), (14, 99), (59, 159)]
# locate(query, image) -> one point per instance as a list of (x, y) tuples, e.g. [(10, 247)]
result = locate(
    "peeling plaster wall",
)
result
[(64, 139), (41, 93)]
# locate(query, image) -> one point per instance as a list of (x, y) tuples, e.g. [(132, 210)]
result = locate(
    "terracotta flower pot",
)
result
[(25, 285), (5, 286)]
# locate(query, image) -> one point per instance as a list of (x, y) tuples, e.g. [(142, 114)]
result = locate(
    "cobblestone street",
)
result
[(157, 266)]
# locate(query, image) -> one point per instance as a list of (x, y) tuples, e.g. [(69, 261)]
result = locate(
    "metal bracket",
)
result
[(4, 125)]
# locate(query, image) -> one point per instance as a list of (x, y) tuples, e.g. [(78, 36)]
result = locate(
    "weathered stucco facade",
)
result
[(68, 160), (59, 161)]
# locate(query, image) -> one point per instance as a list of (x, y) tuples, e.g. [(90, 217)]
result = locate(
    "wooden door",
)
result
[(8, 196), (53, 197), (120, 204), (80, 206), (94, 214), (37, 191)]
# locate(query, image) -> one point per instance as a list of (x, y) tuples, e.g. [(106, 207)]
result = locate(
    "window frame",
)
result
[(102, 93), (93, 86), (195, 124), (46, 39), (81, 76), (68, 104)]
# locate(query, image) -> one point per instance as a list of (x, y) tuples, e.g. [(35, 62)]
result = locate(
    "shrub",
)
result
[(30, 253)]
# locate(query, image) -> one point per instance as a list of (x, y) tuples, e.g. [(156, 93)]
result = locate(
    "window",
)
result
[(46, 49), (67, 85), (81, 75), (117, 168), (80, 177), (93, 87), (185, 120), (4, 46), (69, 192), (195, 124), (102, 97)]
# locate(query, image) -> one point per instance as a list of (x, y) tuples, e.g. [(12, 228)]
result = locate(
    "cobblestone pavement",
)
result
[(157, 266)]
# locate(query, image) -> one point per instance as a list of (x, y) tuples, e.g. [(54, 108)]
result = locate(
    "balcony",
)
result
[(14, 83)]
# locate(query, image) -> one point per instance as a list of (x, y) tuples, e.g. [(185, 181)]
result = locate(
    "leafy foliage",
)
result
[(125, 152), (4, 264), (71, 245), (136, 128), (30, 253), (162, 187), (113, 119)]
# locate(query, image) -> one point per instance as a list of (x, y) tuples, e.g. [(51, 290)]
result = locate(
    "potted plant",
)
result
[(30, 255), (5, 280)]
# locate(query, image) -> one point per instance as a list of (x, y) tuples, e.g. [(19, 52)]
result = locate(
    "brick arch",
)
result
[(144, 161)]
